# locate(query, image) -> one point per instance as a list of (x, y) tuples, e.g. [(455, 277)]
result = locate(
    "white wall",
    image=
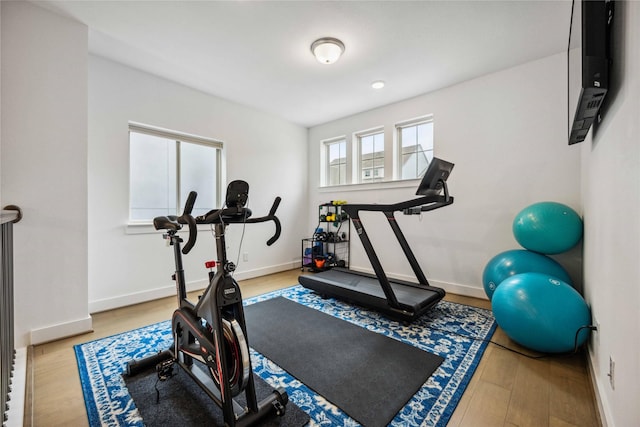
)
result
[(611, 193), (266, 151), (506, 133), (44, 168)]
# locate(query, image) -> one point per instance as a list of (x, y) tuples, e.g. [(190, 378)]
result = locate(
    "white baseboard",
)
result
[(166, 291), (15, 413), (454, 288), (138, 297), (258, 272), (61, 330), (602, 406), (458, 289)]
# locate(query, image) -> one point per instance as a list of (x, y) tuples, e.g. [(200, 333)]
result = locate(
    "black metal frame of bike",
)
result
[(210, 337)]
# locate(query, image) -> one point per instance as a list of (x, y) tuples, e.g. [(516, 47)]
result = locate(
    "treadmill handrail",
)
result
[(428, 203)]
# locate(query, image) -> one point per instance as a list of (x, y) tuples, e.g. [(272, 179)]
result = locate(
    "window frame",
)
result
[(178, 138), (392, 161)]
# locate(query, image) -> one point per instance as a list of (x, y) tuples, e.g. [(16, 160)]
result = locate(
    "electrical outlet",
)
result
[(245, 256), (594, 342), (611, 374)]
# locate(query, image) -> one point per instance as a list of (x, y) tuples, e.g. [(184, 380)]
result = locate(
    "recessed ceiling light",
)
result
[(327, 50), (378, 84)]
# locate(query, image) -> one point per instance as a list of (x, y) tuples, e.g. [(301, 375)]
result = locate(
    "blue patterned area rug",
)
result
[(443, 331)]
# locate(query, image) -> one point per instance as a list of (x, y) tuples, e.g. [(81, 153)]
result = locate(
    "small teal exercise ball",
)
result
[(541, 312), (517, 261), (547, 227)]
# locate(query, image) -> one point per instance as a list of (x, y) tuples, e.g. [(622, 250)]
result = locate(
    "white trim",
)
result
[(377, 186), (427, 118), (458, 289), (454, 288), (167, 291), (142, 296), (264, 271), (61, 330), (174, 135), (15, 413), (602, 405)]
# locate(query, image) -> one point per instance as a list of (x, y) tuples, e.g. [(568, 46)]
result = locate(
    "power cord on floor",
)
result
[(530, 356), (164, 370)]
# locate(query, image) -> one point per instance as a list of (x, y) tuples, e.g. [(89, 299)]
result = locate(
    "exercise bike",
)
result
[(210, 338)]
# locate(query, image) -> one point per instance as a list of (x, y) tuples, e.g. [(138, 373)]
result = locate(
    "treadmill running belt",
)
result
[(365, 290)]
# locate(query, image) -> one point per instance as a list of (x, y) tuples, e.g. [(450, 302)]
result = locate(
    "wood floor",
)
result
[(507, 389)]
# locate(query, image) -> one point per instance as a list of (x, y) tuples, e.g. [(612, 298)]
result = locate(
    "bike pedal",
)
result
[(279, 407), (165, 369)]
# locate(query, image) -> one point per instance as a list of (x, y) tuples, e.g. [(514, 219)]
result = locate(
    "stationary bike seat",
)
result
[(166, 223)]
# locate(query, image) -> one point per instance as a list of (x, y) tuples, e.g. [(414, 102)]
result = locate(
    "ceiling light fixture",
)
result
[(327, 50), (378, 84)]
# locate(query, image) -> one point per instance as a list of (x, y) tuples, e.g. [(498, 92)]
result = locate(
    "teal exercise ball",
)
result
[(517, 261), (547, 227), (541, 312)]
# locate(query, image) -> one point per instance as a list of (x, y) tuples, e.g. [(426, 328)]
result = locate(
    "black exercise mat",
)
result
[(183, 403), (367, 375)]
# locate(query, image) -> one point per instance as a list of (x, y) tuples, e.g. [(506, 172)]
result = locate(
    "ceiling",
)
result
[(257, 53)]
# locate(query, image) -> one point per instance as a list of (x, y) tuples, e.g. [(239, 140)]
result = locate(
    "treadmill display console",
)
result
[(435, 177)]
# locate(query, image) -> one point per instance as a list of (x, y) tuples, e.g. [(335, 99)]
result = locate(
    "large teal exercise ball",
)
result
[(541, 312), (517, 261), (547, 227)]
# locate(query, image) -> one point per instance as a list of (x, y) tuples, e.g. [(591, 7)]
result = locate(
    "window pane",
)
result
[(366, 145), (423, 160), (408, 136), (334, 174), (378, 142), (198, 172), (378, 168), (336, 162), (425, 136), (371, 157), (336, 151), (416, 147), (409, 166), (152, 176), (343, 174)]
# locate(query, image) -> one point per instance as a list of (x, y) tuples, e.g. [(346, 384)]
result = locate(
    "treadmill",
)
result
[(397, 299)]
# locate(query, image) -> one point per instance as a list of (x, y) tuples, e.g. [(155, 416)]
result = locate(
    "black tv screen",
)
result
[(588, 57), (435, 177)]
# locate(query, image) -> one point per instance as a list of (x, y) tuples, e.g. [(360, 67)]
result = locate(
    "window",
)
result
[(363, 158), (336, 158), (415, 141), (371, 147), (165, 166)]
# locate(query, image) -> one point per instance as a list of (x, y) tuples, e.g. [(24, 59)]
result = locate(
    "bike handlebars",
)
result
[(186, 218), (228, 215), (270, 217)]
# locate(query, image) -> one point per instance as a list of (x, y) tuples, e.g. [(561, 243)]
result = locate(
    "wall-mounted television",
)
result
[(589, 62)]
